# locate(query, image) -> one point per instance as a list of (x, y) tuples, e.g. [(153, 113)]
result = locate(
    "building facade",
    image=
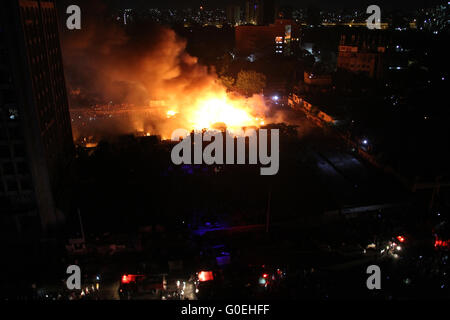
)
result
[(234, 14), (279, 37), (36, 144), (363, 52)]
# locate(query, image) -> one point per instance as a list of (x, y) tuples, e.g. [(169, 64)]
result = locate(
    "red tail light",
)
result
[(126, 278), (205, 276), (441, 243)]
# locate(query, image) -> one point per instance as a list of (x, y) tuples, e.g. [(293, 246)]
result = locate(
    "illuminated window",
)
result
[(279, 39)]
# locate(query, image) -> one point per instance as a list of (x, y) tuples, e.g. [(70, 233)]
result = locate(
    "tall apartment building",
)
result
[(36, 145), (233, 14), (280, 37), (260, 12)]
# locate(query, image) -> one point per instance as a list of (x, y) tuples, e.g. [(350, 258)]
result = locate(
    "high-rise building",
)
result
[(233, 14), (36, 145), (260, 12), (252, 11), (281, 37)]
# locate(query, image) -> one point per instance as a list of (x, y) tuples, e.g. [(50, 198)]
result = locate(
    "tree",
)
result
[(250, 82), (224, 64), (227, 81)]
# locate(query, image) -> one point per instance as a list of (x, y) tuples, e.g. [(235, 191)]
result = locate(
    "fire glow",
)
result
[(167, 88), (219, 109)]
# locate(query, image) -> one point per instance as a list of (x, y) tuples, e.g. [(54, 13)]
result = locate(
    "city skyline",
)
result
[(321, 4)]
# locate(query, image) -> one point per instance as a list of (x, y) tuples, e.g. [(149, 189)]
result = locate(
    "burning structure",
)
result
[(146, 66)]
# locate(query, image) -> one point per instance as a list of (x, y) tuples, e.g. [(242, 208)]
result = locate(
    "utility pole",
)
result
[(434, 193), (81, 224)]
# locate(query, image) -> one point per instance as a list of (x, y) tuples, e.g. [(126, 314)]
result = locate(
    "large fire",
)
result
[(221, 109), (216, 110), (146, 83)]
